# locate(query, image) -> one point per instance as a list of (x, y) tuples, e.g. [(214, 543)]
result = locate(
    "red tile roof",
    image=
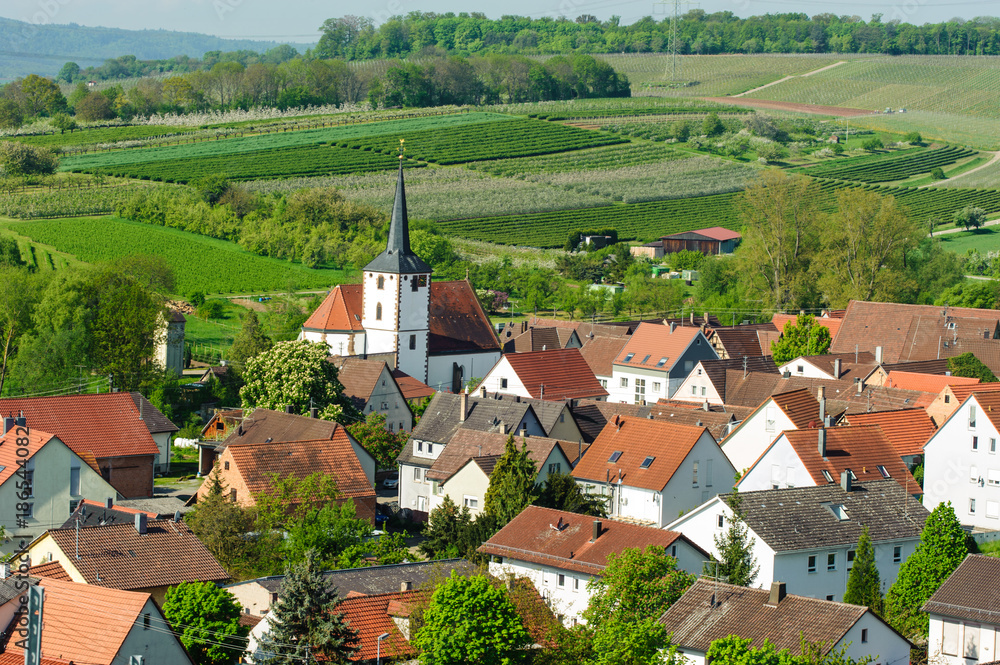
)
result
[(412, 388), (369, 617), (801, 406), (636, 439), (717, 233), (860, 449), (467, 444), (600, 353), (36, 440), (340, 311), (359, 377), (258, 463), (106, 425), (563, 540), (990, 406), (52, 570), (457, 320), (652, 342), (831, 324), (962, 391), (907, 429), (119, 557), (928, 383), (556, 375)]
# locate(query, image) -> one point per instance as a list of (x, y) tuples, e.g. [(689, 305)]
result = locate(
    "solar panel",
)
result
[(646, 462), (614, 456)]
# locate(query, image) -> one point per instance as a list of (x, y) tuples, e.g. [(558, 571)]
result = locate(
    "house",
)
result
[(796, 409), (269, 426), (907, 430), (560, 552), (97, 513), (904, 333), (148, 556), (128, 628), (962, 462), (711, 610), (649, 471), (593, 415), (656, 360), (807, 536), (414, 390), (649, 250), (169, 352), (928, 383), (524, 338), (57, 479), (256, 596), (710, 241), (600, 354), (109, 427), (951, 396), (160, 428), (436, 332), (813, 457), (741, 341), (462, 471), (965, 614), (222, 423), (372, 389), (707, 381), (447, 414), (247, 469), (555, 374), (831, 366)]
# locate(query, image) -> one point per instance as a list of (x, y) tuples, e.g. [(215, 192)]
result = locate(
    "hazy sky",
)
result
[(299, 20)]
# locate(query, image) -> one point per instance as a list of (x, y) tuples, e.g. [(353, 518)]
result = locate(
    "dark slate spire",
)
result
[(397, 257)]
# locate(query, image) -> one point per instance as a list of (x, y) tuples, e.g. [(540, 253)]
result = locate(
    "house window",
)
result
[(800, 369), (624, 382), (949, 641), (561, 580), (831, 561), (472, 502), (417, 477), (673, 551), (628, 358), (972, 416), (830, 597), (74, 481), (812, 563), (555, 467), (972, 641), (850, 558), (992, 509), (694, 390), (413, 284), (720, 521), (656, 386), (947, 399), (503, 382), (422, 280), (972, 506), (993, 446), (420, 446), (378, 311), (576, 584), (413, 342), (694, 473), (646, 462), (975, 443), (430, 448), (232, 495), (864, 636), (897, 553), (703, 391), (973, 474), (604, 384), (225, 465), (145, 621), (993, 477), (640, 391)]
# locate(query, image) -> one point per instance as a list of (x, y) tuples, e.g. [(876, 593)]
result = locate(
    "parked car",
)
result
[(391, 482)]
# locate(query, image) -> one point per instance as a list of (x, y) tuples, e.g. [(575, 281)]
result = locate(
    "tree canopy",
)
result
[(512, 483), (863, 584), (737, 564), (805, 338), (207, 619), (968, 365)]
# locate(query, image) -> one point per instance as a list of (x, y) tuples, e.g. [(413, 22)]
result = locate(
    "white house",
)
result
[(372, 388), (707, 381), (554, 374), (807, 536), (561, 551), (830, 366), (794, 409), (656, 360), (711, 610), (965, 614), (170, 342), (651, 471), (812, 457), (435, 332), (962, 462)]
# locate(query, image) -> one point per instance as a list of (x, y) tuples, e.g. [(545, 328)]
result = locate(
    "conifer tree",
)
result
[(250, 341), (863, 584), (304, 623), (735, 545), (512, 483)]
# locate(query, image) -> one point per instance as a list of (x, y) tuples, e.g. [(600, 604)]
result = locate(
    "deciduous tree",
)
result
[(207, 621), (383, 445), (562, 492), (804, 338), (636, 584)]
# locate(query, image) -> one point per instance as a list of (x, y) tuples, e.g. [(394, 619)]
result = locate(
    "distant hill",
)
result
[(26, 48)]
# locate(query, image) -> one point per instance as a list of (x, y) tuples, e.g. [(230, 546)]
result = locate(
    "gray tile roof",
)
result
[(155, 421), (379, 579), (972, 592), (797, 519)]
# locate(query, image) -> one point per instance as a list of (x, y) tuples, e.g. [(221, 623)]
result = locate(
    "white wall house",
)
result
[(553, 374), (785, 411), (962, 462), (964, 621), (655, 362), (560, 552), (652, 471), (807, 536), (711, 610)]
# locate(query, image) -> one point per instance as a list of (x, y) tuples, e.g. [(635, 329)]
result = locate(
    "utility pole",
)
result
[(674, 43)]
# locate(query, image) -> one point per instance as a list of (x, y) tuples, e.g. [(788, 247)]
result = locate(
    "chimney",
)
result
[(860, 386), (778, 593), (406, 586), (482, 391), (787, 374), (821, 394), (289, 409), (524, 430), (8, 424), (845, 480), (109, 503), (314, 412), (704, 321), (517, 399), (673, 325), (878, 355), (836, 368), (706, 406), (464, 406), (541, 391), (692, 317), (822, 441), (597, 531), (140, 522), (21, 421)]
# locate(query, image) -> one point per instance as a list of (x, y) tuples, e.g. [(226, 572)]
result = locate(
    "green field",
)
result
[(43, 202), (199, 263), (613, 156), (983, 240), (103, 135), (887, 167)]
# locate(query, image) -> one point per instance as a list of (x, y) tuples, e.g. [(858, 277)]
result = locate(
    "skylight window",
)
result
[(646, 359), (614, 456), (629, 357), (838, 511), (883, 471), (646, 462), (826, 474), (663, 361)]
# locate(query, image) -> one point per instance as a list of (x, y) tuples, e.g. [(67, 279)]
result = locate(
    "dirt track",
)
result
[(839, 111)]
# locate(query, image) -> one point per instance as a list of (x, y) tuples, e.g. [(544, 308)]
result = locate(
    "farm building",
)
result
[(651, 250), (714, 240)]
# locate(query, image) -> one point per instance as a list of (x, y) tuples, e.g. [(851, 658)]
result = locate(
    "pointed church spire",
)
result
[(397, 257)]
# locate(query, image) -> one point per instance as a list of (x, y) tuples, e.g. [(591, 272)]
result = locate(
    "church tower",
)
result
[(396, 289)]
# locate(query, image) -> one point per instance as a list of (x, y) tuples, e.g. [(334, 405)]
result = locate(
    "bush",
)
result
[(873, 144), (837, 149), (211, 309), (937, 173), (21, 159), (915, 138)]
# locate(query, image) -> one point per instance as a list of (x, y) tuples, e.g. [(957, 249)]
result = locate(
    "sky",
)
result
[(299, 20)]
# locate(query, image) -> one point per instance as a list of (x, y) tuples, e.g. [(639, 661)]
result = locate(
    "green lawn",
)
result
[(984, 240)]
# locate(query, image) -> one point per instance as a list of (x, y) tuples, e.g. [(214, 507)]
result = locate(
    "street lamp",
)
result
[(378, 648)]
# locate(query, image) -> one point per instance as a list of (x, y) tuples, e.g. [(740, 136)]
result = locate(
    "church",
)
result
[(436, 332)]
